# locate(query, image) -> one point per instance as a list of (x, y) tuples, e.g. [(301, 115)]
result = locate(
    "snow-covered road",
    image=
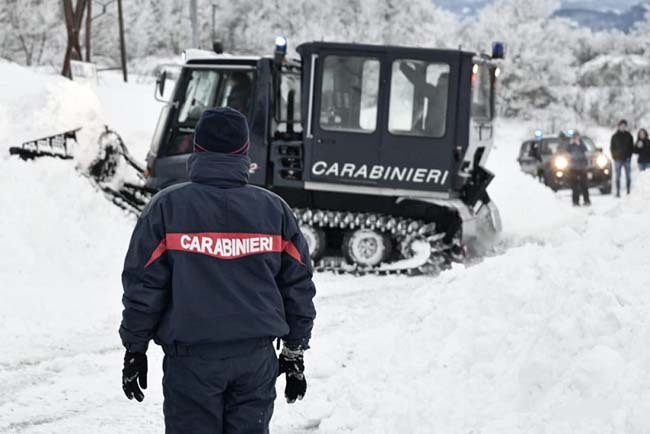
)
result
[(550, 336)]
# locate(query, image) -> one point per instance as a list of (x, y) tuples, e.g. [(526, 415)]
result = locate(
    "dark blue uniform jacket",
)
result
[(215, 260)]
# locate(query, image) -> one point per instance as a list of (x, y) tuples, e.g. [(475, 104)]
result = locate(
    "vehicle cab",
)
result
[(207, 80)]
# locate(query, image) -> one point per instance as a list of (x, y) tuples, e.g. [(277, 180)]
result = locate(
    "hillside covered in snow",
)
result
[(547, 335)]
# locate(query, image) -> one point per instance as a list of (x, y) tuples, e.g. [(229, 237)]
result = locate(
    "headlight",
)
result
[(602, 161), (561, 162)]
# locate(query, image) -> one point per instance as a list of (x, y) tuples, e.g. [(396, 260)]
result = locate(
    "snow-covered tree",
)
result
[(30, 30), (549, 65), (538, 59)]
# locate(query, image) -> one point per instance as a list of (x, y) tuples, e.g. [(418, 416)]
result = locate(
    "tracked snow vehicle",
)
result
[(380, 150)]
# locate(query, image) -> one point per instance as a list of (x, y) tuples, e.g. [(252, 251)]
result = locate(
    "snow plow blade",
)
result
[(480, 216), (51, 146), (130, 196), (103, 173)]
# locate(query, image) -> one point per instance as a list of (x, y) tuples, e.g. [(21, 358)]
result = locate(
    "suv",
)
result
[(547, 159)]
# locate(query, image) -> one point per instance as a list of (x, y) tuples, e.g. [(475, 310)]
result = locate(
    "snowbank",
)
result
[(551, 336), (545, 338), (528, 209), (62, 243), (35, 105)]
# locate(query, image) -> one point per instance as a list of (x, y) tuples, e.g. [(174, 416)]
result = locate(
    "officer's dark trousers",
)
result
[(224, 389), (579, 186)]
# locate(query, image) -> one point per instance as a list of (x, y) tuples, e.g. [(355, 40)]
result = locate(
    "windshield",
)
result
[(213, 88), (589, 144), (202, 89), (550, 146)]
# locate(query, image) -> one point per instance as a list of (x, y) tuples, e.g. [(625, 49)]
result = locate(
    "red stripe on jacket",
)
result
[(225, 245)]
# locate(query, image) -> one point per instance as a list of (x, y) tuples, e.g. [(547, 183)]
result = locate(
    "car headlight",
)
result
[(602, 161), (561, 162)]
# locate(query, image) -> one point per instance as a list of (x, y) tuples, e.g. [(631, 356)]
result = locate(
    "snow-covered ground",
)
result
[(551, 336)]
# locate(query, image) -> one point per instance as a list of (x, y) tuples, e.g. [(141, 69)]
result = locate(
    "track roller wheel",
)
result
[(366, 248), (316, 242)]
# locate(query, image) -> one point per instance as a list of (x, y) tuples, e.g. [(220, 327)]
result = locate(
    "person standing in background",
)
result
[(578, 154), (642, 148), (622, 148)]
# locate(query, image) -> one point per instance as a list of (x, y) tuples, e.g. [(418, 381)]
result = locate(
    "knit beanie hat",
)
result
[(223, 130)]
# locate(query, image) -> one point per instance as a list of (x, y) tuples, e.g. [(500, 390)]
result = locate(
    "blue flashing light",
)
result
[(281, 44), (498, 50), (570, 133), (538, 133)]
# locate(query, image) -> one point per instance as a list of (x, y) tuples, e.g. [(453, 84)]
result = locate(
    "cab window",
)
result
[(482, 92), (349, 94), (418, 98), (289, 97)]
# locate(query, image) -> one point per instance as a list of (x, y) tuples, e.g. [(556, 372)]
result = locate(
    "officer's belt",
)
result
[(217, 350)]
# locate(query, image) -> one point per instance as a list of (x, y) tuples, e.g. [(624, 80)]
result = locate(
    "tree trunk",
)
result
[(73, 18), (88, 28)]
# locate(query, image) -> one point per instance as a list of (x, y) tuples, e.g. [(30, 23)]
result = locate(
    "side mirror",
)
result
[(599, 150), (160, 83)]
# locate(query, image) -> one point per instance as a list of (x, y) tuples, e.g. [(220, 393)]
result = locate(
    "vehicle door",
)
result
[(419, 133), (343, 134)]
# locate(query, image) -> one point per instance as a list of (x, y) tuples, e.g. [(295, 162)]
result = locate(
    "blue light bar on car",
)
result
[(498, 50)]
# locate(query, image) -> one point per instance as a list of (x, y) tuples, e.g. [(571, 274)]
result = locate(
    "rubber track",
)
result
[(402, 230)]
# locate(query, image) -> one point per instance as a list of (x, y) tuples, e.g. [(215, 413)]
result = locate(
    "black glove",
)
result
[(134, 372), (292, 364)]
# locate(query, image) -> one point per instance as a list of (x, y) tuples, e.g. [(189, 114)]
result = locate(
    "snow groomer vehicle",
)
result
[(379, 150), (546, 158)]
